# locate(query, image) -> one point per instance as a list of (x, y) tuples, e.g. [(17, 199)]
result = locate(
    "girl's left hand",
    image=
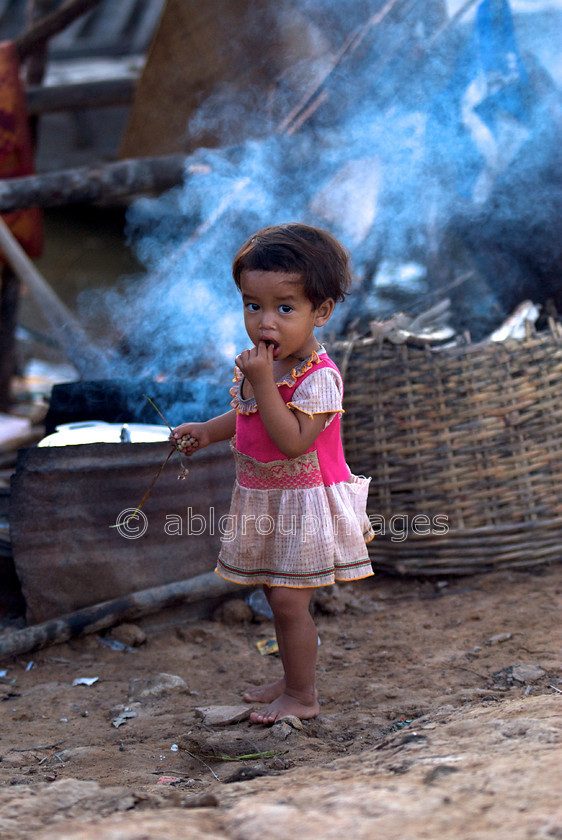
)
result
[(257, 363)]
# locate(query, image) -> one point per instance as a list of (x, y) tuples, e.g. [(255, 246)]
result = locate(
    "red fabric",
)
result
[(253, 440), (16, 149)]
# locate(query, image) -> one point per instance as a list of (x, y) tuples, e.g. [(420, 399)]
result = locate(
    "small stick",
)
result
[(183, 474), (196, 757), (153, 482), (157, 410), (192, 442), (304, 108), (147, 494), (39, 747)]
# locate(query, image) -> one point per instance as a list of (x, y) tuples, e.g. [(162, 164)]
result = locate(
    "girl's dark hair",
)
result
[(315, 254)]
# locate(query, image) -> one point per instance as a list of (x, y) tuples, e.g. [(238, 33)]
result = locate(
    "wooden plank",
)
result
[(105, 93), (90, 184)]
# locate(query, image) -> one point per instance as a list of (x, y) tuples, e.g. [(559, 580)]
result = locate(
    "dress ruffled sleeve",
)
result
[(235, 389), (320, 393), (242, 406)]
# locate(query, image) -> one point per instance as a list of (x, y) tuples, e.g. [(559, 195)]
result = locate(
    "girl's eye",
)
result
[(253, 307), (285, 308)]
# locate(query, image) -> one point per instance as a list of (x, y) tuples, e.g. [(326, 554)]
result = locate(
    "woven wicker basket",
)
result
[(464, 447)]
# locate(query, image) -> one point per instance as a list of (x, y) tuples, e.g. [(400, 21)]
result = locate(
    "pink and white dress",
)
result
[(298, 522)]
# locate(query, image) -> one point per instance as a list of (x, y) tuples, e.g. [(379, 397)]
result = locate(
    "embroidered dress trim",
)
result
[(349, 571), (311, 414), (301, 369), (291, 474)]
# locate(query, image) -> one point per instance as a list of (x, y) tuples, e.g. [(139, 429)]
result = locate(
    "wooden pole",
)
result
[(36, 61), (90, 184), (68, 331), (9, 296), (100, 94), (108, 613), (298, 115), (49, 25)]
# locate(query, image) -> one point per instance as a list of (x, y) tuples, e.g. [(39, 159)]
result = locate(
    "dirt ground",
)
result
[(441, 717)]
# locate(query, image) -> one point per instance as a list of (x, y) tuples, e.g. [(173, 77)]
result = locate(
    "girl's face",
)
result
[(277, 312)]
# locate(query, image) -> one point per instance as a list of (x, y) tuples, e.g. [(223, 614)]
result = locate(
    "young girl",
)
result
[(299, 516)]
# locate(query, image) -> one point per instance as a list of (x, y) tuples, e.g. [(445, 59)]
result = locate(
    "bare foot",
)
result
[(284, 706), (265, 693)]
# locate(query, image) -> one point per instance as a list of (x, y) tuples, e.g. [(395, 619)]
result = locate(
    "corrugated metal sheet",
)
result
[(64, 500)]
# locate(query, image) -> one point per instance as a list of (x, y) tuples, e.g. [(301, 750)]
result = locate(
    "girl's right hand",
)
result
[(190, 437), (256, 363)]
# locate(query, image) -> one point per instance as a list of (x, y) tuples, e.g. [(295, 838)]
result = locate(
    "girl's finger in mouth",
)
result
[(269, 342)]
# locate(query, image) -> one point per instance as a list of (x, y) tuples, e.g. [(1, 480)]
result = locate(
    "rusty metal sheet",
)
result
[(64, 500)]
